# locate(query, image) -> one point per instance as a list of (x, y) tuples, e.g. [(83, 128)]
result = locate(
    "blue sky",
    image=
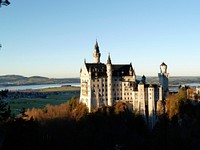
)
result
[(52, 38)]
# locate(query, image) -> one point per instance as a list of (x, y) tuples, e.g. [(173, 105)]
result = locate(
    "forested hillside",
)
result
[(11, 80)]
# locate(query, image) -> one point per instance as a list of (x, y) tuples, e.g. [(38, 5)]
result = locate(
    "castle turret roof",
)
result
[(96, 47), (163, 64), (109, 60)]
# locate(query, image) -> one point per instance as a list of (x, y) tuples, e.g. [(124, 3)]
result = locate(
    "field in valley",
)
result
[(55, 96)]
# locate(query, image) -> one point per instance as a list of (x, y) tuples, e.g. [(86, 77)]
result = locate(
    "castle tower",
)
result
[(96, 54), (141, 98), (143, 79), (151, 107), (109, 81), (89, 92), (163, 78)]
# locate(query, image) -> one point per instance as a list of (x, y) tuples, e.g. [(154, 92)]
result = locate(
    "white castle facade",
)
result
[(104, 84)]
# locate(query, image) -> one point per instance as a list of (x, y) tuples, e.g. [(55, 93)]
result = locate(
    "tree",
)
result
[(4, 2), (175, 102), (5, 111)]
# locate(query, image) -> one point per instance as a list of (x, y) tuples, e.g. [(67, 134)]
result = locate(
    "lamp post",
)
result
[(4, 2)]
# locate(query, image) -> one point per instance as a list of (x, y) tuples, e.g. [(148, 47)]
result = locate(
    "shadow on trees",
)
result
[(106, 128)]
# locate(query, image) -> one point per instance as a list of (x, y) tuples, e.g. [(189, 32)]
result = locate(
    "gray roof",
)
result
[(99, 69), (163, 64)]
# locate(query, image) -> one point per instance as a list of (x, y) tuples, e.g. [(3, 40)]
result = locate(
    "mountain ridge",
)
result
[(12, 80), (15, 80)]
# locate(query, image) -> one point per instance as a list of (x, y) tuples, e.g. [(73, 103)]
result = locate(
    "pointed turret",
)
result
[(96, 47), (109, 81), (163, 68), (143, 79), (109, 60), (96, 54)]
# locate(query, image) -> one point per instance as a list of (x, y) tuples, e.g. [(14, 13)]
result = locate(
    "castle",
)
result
[(104, 84)]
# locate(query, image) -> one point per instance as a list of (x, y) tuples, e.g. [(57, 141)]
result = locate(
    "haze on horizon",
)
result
[(52, 39)]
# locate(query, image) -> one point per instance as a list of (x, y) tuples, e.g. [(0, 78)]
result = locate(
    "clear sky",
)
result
[(52, 38)]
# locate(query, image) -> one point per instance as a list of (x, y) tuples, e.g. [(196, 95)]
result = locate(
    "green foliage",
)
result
[(106, 128), (71, 109), (52, 99), (174, 103), (5, 111)]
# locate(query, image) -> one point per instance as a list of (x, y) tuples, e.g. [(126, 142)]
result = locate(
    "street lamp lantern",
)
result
[(4, 2)]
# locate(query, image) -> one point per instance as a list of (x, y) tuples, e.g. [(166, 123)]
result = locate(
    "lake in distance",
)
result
[(33, 87)]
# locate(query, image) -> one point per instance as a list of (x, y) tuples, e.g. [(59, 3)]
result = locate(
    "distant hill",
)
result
[(11, 80), (177, 80)]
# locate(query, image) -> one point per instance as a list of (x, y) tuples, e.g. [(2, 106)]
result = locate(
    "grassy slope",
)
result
[(60, 89), (52, 99)]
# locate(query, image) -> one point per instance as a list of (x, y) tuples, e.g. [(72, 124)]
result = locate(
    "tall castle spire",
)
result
[(109, 81), (109, 60), (96, 54)]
